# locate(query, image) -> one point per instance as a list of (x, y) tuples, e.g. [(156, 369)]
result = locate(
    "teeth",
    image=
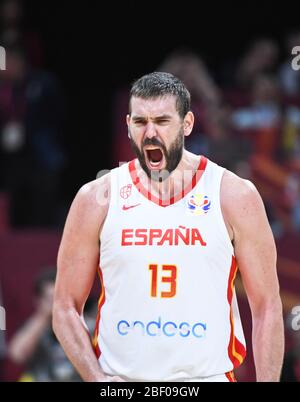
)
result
[(154, 163)]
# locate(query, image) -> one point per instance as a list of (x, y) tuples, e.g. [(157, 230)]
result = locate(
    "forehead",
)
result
[(153, 107)]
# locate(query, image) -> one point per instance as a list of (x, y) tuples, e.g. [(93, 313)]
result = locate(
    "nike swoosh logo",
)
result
[(125, 208)]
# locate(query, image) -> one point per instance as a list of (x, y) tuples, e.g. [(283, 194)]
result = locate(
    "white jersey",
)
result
[(167, 310)]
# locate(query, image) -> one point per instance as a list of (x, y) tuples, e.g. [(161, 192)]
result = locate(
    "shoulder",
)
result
[(234, 188), (92, 200), (96, 191), (241, 203)]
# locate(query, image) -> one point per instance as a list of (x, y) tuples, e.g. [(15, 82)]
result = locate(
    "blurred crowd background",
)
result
[(63, 102)]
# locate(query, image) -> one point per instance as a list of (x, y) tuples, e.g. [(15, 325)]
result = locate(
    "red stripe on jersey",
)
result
[(230, 376), (100, 304), (164, 203), (236, 351)]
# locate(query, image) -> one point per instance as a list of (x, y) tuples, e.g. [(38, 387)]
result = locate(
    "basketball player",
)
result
[(168, 232)]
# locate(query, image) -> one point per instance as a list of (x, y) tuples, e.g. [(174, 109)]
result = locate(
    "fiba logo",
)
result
[(296, 60), (2, 58), (296, 318), (2, 319)]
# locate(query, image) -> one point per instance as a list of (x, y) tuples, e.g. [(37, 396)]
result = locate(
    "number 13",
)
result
[(171, 279)]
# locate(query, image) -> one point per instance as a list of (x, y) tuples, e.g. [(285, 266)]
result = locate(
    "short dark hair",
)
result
[(159, 84)]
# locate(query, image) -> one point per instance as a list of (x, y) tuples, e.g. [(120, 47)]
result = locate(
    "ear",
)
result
[(188, 123), (128, 121)]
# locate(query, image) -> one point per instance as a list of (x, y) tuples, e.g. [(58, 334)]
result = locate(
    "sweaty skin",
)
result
[(247, 226)]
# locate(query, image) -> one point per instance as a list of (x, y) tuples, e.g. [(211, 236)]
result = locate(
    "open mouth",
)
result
[(154, 157)]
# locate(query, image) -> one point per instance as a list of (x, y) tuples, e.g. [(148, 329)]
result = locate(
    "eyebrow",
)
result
[(160, 117)]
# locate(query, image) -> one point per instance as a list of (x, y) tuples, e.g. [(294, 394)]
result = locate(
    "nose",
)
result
[(150, 131)]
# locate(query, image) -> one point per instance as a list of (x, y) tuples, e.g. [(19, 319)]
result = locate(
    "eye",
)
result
[(163, 121), (139, 122)]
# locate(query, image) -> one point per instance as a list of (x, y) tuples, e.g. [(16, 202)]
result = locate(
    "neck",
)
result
[(178, 179)]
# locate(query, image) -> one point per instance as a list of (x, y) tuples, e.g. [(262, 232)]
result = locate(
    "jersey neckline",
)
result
[(167, 202)]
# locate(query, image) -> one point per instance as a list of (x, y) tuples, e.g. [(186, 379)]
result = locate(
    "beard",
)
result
[(172, 155)]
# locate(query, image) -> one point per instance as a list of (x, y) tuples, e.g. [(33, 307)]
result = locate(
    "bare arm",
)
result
[(78, 259), (255, 252), (24, 343)]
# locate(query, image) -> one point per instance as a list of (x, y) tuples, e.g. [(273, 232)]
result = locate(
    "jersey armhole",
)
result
[(111, 197), (221, 219)]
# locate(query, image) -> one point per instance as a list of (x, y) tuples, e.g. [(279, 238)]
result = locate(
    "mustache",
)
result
[(149, 141), (152, 141)]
